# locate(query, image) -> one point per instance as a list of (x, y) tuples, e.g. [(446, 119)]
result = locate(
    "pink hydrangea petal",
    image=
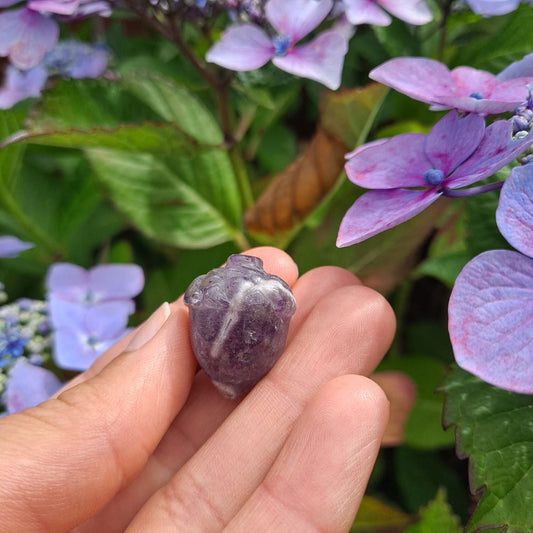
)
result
[(25, 36), (491, 319), (28, 385), (453, 139), (514, 91), (468, 80), (514, 215), (420, 78), (59, 7), (398, 162), (12, 246), (109, 282), (241, 47), (518, 69), (377, 211), (365, 12), (364, 147), (320, 60), (297, 18), (472, 105), (496, 150), (67, 281), (411, 11)]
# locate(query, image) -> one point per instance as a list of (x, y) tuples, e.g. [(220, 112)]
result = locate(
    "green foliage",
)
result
[(375, 516), (437, 516), (495, 431)]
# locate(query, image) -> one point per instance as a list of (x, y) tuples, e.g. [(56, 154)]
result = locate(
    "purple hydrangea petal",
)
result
[(420, 78), (65, 313), (365, 12), (12, 246), (241, 47), (411, 11), (514, 215), (453, 139), (67, 281), (28, 385), (491, 319), (75, 59), (494, 152), (514, 91), (110, 282), (25, 36), (364, 147), (109, 319), (21, 84), (398, 162), (321, 59), (377, 211), (468, 80), (297, 18), (518, 69), (58, 7), (488, 8), (8, 3), (88, 8)]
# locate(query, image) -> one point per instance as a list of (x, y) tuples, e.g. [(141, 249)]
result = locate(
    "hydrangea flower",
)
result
[(463, 88), (457, 152), (491, 306), (372, 11), (488, 8), (247, 47), (89, 309), (21, 84), (11, 246), (28, 385), (28, 32)]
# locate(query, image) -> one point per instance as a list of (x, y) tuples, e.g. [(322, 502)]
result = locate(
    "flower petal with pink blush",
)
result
[(514, 215), (110, 282), (380, 210), (296, 18), (242, 47), (397, 162), (514, 91), (420, 78), (25, 36), (496, 150), (468, 80), (365, 12), (491, 319), (58, 7), (364, 147), (321, 59), (411, 11), (453, 139)]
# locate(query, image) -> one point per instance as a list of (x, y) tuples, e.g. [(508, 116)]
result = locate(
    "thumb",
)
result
[(61, 461)]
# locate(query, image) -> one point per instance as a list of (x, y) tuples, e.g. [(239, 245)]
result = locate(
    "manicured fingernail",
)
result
[(147, 330)]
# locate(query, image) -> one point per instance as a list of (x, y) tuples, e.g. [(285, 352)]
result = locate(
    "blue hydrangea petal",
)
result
[(12, 246)]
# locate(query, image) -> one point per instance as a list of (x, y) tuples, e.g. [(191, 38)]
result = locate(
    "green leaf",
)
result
[(10, 158), (494, 429), (175, 104), (278, 147), (445, 268), (375, 516), (437, 516), (423, 428), (192, 202)]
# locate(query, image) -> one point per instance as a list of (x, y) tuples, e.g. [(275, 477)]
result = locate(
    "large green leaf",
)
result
[(11, 157), (494, 429), (192, 202), (175, 104)]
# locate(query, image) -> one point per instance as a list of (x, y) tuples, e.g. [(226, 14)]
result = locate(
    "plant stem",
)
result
[(38, 237), (443, 33)]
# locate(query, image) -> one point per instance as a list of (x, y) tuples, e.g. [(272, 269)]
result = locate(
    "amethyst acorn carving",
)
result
[(239, 318)]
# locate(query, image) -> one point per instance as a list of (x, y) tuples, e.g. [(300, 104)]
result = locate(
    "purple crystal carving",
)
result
[(239, 318)]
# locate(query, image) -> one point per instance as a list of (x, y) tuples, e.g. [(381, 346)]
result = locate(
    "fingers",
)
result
[(204, 411), (319, 478), (70, 455), (348, 331)]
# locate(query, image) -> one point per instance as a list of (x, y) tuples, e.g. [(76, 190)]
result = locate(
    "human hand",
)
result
[(143, 442)]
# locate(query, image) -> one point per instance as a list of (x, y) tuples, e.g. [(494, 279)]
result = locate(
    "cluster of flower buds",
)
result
[(523, 118)]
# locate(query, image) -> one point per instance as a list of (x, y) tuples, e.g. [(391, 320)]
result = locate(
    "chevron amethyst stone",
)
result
[(239, 318)]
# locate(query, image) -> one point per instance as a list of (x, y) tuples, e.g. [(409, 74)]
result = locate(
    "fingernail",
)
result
[(148, 329)]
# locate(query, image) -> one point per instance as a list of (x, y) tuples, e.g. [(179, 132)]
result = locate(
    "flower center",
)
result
[(476, 95), (281, 45), (433, 176)]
